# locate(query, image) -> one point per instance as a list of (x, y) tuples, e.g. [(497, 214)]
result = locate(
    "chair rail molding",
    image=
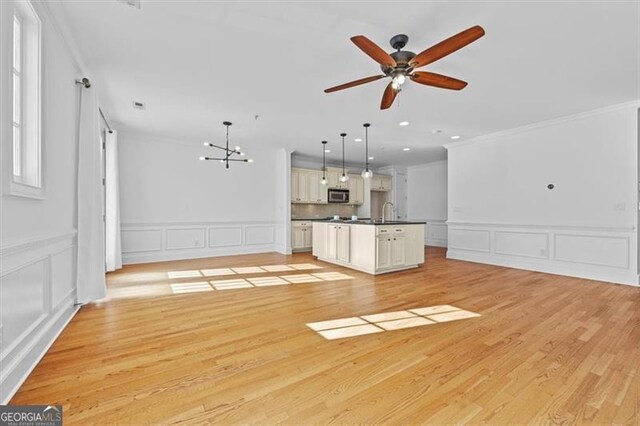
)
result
[(591, 252)]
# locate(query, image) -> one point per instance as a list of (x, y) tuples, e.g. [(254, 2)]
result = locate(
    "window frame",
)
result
[(28, 181)]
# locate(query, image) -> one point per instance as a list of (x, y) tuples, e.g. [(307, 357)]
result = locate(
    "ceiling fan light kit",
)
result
[(228, 153), (402, 64)]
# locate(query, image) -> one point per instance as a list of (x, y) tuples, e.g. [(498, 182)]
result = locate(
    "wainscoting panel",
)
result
[(142, 243), (258, 234), (63, 275), (526, 244), (605, 254), (37, 300), (436, 233), (225, 236), (141, 240), (189, 238), (593, 250), (23, 300), (469, 239)]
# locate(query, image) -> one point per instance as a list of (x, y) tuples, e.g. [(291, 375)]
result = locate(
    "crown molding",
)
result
[(430, 164), (546, 123)]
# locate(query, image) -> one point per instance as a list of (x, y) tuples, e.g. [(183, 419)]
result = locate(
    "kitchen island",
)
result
[(371, 247)]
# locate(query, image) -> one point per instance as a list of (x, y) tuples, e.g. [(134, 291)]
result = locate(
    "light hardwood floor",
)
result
[(547, 349)]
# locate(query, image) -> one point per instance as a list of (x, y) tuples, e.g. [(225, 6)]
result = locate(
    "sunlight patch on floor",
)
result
[(194, 287), (183, 274), (136, 291), (277, 268), (388, 321), (266, 281), (303, 266), (301, 278), (218, 272), (331, 276)]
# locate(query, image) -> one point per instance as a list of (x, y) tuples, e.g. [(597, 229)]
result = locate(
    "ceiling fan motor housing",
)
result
[(402, 58)]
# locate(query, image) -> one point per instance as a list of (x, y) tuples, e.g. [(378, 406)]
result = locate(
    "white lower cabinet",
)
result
[(390, 247), (301, 235), (383, 252), (398, 251), (338, 242), (344, 243), (375, 249)]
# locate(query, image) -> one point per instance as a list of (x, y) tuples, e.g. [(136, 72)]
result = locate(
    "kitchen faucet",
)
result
[(384, 207)]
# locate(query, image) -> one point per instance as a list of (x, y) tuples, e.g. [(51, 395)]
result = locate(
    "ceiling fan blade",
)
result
[(447, 46), (373, 50), (388, 97), (354, 83), (437, 80)]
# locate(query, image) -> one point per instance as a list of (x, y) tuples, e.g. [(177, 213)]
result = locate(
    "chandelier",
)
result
[(228, 153)]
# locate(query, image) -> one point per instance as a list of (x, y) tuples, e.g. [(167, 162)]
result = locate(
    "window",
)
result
[(26, 161)]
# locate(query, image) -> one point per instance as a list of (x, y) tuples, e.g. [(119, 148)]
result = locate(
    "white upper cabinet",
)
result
[(333, 177), (306, 187), (299, 186), (380, 183), (356, 189)]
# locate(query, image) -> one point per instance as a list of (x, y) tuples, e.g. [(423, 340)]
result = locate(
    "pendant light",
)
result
[(344, 176), (366, 173), (228, 153), (324, 168)]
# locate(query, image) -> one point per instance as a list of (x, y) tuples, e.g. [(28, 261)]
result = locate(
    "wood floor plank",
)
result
[(546, 349)]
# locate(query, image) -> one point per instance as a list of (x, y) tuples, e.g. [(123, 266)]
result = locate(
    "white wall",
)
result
[(427, 199), (500, 210), (174, 206), (38, 245)]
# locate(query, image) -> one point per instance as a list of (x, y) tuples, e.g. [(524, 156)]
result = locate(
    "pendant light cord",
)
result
[(366, 147), (227, 153), (343, 135), (324, 153)]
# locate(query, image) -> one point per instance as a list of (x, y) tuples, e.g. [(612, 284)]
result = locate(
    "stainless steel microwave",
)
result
[(338, 196)]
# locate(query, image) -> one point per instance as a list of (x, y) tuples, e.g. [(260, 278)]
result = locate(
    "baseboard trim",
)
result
[(19, 370), (436, 243), (617, 277), (279, 248)]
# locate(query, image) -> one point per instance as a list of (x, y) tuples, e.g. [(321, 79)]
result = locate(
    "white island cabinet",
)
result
[(373, 248)]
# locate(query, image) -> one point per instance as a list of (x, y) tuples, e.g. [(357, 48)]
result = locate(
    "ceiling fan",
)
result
[(401, 64)]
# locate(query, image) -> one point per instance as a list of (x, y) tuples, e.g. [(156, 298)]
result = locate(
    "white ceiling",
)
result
[(197, 63)]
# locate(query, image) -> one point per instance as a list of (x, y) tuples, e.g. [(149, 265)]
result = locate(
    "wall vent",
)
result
[(138, 105), (132, 3)]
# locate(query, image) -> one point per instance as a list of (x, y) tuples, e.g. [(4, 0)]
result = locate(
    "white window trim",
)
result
[(17, 188)]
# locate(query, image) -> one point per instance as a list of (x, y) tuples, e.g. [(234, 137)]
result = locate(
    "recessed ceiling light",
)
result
[(370, 158), (403, 123), (406, 149), (455, 137), (358, 139), (327, 150)]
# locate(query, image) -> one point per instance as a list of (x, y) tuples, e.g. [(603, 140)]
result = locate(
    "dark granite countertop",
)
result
[(368, 222)]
